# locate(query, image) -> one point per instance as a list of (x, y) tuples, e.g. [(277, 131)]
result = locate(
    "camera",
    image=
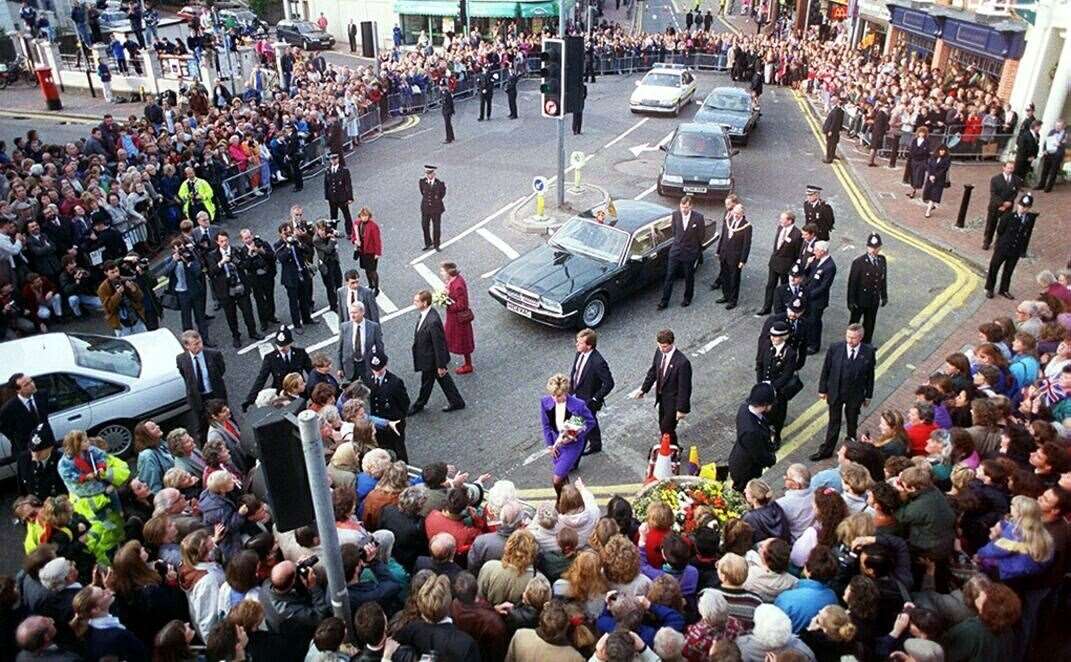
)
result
[(305, 566)]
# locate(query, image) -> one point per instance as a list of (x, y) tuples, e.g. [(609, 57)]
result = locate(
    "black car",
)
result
[(304, 34), (698, 162), (733, 109), (585, 267)]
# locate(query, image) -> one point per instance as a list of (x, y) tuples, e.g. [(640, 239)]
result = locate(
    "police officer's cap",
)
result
[(430, 168), (1027, 200), (874, 240), (41, 439), (813, 189), (378, 361), (796, 272), (780, 329), (284, 337), (761, 394), (796, 306)]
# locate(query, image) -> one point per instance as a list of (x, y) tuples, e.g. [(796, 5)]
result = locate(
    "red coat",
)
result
[(372, 243), (459, 336)]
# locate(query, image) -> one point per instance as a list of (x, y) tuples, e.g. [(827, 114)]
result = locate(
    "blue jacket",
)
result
[(153, 463), (217, 508), (658, 616), (804, 601), (1007, 556)]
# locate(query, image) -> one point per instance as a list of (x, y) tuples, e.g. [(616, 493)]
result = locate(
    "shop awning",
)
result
[(426, 7), (539, 9), (493, 9)]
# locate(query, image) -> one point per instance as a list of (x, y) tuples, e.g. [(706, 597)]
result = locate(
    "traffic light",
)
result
[(574, 73), (552, 72)]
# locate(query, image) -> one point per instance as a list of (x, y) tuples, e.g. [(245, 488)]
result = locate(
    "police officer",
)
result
[(798, 330), (485, 85), (447, 111), (294, 148), (754, 449), (278, 364), (293, 258), (817, 211), (511, 90), (432, 192), (867, 286), (578, 114), (1013, 237), (790, 291), (776, 366), (388, 399), (257, 259)]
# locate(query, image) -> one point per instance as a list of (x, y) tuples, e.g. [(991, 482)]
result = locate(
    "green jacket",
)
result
[(204, 192), (970, 641), (930, 523)]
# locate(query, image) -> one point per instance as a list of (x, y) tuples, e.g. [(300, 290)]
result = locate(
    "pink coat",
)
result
[(459, 336)]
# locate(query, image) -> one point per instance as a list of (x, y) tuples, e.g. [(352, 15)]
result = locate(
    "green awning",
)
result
[(539, 9), (493, 9), (426, 7)]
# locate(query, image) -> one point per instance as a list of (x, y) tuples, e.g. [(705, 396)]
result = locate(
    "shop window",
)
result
[(988, 65), (919, 44)]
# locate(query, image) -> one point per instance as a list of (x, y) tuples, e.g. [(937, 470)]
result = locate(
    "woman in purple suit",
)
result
[(565, 441)]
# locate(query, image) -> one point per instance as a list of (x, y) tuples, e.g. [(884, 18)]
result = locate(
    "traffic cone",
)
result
[(693, 462), (663, 464)]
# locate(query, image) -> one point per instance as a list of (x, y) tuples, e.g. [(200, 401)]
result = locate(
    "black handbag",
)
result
[(792, 388)]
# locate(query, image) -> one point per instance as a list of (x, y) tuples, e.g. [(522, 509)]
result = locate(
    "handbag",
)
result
[(465, 316)]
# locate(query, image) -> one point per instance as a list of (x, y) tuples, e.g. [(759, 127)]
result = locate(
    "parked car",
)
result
[(244, 20), (114, 20), (586, 267), (100, 384), (191, 12), (664, 89), (304, 34), (698, 162), (733, 109)]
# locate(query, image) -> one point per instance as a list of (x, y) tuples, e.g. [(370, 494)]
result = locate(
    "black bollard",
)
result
[(963, 204)]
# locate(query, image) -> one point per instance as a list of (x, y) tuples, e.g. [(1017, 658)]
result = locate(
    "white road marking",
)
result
[(472, 228), (415, 133), (711, 345), (385, 304), (626, 132), (646, 192), (490, 273), (535, 456), (647, 147), (267, 341), (427, 274), (321, 311), (498, 243), (333, 339)]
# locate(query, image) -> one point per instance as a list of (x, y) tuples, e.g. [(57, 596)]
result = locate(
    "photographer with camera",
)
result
[(74, 283), (294, 603), (231, 287), (325, 242), (196, 195), (122, 299), (256, 258), (136, 268), (383, 589), (294, 257), (185, 282)]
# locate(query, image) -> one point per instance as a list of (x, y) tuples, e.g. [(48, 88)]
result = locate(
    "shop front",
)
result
[(915, 31), (837, 11), (983, 48), (437, 18), (874, 25)]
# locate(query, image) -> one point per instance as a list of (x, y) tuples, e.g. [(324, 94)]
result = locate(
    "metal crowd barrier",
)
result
[(314, 160), (369, 125), (249, 188)]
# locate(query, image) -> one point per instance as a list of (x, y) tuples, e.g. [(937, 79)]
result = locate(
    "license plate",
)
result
[(514, 308), (695, 189)]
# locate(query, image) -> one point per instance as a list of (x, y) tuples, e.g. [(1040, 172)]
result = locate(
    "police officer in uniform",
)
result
[(867, 286), (278, 364), (817, 211), (388, 399), (790, 291), (776, 366), (511, 90), (432, 192), (448, 112), (485, 85), (578, 115), (256, 258), (1013, 236), (798, 331), (754, 449)]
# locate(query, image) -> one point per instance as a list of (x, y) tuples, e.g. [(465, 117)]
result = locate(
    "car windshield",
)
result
[(105, 354), (306, 27), (734, 102), (586, 237), (698, 145), (662, 80)]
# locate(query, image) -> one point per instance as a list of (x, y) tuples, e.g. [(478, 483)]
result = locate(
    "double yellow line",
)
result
[(602, 492)]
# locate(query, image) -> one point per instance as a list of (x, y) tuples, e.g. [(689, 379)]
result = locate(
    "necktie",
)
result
[(662, 371), (851, 354), (579, 370), (33, 409), (200, 374), (353, 297), (358, 346)]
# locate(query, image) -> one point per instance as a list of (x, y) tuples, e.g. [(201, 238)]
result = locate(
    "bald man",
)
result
[(36, 635), (292, 611), (441, 547)]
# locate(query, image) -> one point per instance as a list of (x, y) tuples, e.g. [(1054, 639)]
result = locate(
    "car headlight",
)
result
[(672, 179), (669, 103), (719, 182), (552, 306)]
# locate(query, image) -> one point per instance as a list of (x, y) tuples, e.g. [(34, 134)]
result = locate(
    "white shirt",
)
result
[(199, 362), (666, 358), (581, 363), (423, 316), (559, 415), (783, 237), (1052, 142), (684, 219)]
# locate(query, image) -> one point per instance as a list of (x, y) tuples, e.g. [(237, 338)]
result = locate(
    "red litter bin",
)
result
[(48, 87)]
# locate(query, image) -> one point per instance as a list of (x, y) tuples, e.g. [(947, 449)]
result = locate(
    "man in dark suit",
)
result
[(388, 399), (202, 371), (578, 114), (1013, 236), (278, 364), (879, 126), (868, 286), (790, 291), (430, 356), (485, 87), (359, 339), (351, 292), (819, 281), (818, 212), (185, 279), (832, 127), (294, 256), (754, 450), (338, 190), (351, 32), (1027, 147), (591, 381), (788, 242), (231, 287), (432, 192), (256, 258), (23, 413), (776, 366), (513, 77), (734, 247), (671, 375), (1003, 189), (688, 229), (847, 385), (447, 110)]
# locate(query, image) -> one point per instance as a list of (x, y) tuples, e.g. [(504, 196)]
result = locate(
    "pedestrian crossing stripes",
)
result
[(428, 275), (385, 304), (498, 243)]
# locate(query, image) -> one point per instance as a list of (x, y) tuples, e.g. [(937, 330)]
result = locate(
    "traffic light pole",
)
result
[(561, 119)]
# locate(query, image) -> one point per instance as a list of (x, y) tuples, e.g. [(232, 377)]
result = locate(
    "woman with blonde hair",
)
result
[(584, 582), (92, 476), (373, 465), (557, 411), (395, 479), (831, 634), (505, 580), (1020, 545), (621, 567), (892, 437), (344, 466), (101, 634)]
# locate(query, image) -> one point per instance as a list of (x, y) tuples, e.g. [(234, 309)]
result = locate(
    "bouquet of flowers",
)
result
[(686, 496), (571, 429), (441, 298)]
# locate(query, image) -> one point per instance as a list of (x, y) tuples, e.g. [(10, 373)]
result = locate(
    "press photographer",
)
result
[(136, 268), (256, 258), (231, 287), (296, 601), (122, 299), (325, 242), (294, 256), (185, 286), (196, 195), (76, 284)]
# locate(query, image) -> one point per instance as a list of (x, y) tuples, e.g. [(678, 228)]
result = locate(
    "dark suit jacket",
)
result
[(777, 370), (834, 121), (218, 274), (676, 391), (784, 296), (373, 344), (216, 369), (18, 424), (820, 281), (879, 128), (736, 249), (1027, 146), (338, 186), (446, 639), (429, 344), (294, 271), (687, 241), (595, 382), (431, 196), (753, 450), (1013, 232), (1001, 191), (781, 259), (389, 401), (848, 381), (275, 367), (364, 295)]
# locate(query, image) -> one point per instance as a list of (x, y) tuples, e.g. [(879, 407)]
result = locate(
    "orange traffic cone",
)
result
[(663, 464)]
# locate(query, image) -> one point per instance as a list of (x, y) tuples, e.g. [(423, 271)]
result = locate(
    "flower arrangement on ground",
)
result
[(686, 496)]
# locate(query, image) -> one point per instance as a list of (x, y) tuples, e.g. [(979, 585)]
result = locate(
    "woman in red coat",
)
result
[(367, 246), (459, 336)]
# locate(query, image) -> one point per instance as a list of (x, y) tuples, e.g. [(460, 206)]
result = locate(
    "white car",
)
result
[(100, 384), (664, 89)]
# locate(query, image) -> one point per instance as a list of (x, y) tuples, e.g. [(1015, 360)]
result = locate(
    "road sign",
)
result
[(577, 158), (539, 184)]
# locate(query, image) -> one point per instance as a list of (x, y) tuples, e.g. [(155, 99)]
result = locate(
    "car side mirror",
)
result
[(734, 152)]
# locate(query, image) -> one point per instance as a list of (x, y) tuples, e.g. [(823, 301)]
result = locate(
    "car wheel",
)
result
[(118, 434), (594, 311), (661, 191)]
